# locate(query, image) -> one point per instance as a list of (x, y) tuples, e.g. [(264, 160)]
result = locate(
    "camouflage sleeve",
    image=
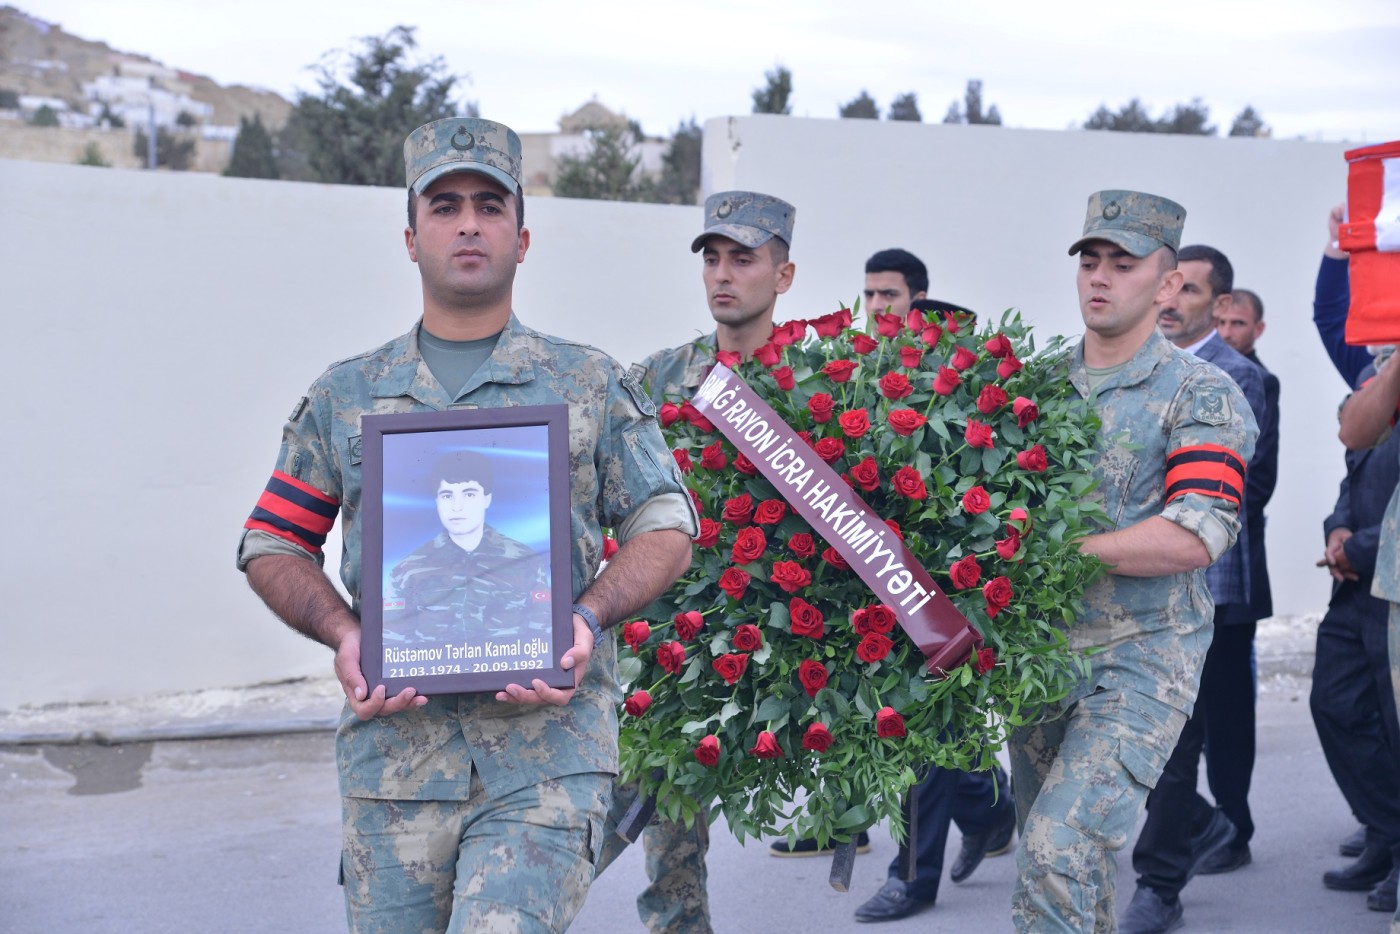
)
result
[(634, 463), (299, 504), (1211, 435)]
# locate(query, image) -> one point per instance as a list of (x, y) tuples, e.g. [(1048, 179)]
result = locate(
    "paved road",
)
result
[(238, 835)]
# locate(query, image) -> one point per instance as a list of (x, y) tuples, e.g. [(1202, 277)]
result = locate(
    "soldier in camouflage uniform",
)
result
[(469, 582), (1368, 418), (1171, 453), (472, 812), (745, 243)]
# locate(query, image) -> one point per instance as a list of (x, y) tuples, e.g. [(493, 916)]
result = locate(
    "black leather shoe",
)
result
[(808, 847), (1149, 913), (1204, 846), (1382, 897), (1354, 845), (993, 841), (1370, 868), (890, 904), (1226, 859)]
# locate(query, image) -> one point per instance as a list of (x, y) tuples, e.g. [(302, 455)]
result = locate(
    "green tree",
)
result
[(92, 155), (860, 108), (607, 171), (1191, 119), (680, 165), (971, 110), (774, 97), (44, 116), (1132, 117), (905, 107), (352, 131), (252, 151), (174, 152), (1249, 123), (111, 119), (185, 119)]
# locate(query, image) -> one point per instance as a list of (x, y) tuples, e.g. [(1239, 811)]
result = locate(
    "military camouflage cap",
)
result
[(462, 144), (1138, 222), (746, 217)]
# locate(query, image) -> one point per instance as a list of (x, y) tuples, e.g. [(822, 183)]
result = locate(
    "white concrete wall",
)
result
[(159, 327)]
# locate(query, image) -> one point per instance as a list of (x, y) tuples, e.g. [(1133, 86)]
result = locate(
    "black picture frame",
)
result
[(435, 616)]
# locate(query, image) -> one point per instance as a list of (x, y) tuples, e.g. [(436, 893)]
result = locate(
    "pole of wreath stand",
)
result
[(640, 813)]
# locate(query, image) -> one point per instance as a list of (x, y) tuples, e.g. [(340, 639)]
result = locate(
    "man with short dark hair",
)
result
[(894, 279), (470, 812)]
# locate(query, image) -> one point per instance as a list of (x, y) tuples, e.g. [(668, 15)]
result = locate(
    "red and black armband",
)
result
[(1207, 469), (294, 511)]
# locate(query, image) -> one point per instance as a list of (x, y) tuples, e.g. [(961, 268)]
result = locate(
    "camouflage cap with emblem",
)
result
[(746, 217), (462, 144), (1138, 222)]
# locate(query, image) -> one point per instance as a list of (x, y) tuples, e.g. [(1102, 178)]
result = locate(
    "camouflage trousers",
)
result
[(1393, 633), (1080, 782), (518, 864), (676, 900)]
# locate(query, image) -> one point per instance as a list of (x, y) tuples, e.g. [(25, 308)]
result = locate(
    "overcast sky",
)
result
[(1313, 70)]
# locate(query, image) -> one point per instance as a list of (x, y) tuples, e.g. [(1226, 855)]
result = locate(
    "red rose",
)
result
[(734, 581), (838, 371), (747, 638), (820, 406), (895, 385), (946, 381), (671, 656), (1026, 411), (833, 557), (984, 661), (894, 527), (697, 418), (977, 434), (784, 377), (1008, 546), (806, 437), (817, 738), (770, 512), (1033, 459), (731, 667), (699, 503), (965, 573), (832, 324), (990, 399), (802, 545), (637, 704), (905, 421), (635, 633), (682, 457), (866, 474), (1020, 520), (707, 753), (876, 618), (610, 547), (739, 509), (712, 456), (873, 647), (951, 320), (668, 413), (709, 533), (863, 343), (729, 358), (997, 593), (807, 620), (790, 576), (856, 422), (911, 357), (688, 624), (768, 355), (830, 449), (744, 465), (889, 325), (749, 544), (931, 334), (790, 332), (907, 482), (976, 501), (963, 358), (1008, 366), (767, 747), (914, 319), (888, 723), (998, 346), (812, 675)]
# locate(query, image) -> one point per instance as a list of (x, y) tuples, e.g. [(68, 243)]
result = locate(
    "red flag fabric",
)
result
[(1371, 235)]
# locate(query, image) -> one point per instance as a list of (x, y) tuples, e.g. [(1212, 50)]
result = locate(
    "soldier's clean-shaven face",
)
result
[(1190, 315), (1239, 326), (467, 245), (462, 506), (888, 292), (742, 284), (1119, 292)]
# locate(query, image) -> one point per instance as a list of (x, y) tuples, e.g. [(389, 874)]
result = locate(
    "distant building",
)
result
[(541, 152), (136, 88)]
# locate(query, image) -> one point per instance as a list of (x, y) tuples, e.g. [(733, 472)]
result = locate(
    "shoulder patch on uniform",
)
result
[(639, 396), (1210, 406), (638, 372), (298, 409)]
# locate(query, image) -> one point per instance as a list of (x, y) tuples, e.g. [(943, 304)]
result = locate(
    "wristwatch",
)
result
[(590, 619)]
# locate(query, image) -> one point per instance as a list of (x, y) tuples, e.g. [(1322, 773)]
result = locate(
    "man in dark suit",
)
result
[(1184, 833)]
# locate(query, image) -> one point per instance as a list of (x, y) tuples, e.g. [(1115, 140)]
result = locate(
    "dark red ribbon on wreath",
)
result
[(817, 493)]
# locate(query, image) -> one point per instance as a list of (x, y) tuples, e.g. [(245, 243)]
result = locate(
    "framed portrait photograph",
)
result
[(465, 586)]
